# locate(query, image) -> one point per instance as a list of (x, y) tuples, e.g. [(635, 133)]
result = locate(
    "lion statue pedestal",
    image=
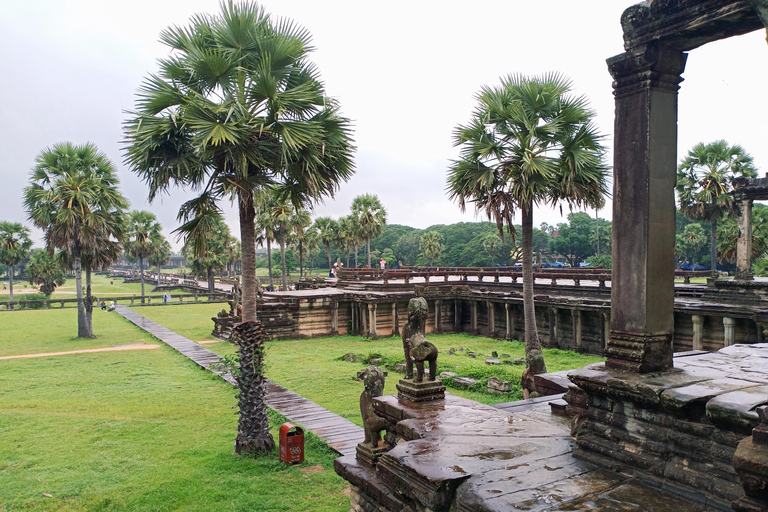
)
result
[(418, 351), (369, 451)]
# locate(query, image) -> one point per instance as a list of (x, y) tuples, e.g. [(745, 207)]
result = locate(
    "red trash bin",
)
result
[(291, 443)]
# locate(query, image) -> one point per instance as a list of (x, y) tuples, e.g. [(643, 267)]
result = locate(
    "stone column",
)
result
[(365, 320), (352, 308), (606, 329), (491, 320), (576, 319), (729, 331), (334, 317), (510, 325), (698, 331), (438, 308), (552, 327), (395, 322), (372, 314), (646, 81), (474, 317), (457, 315), (744, 243)]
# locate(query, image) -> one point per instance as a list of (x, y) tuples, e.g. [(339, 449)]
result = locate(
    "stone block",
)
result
[(498, 386), (492, 361), (412, 391), (465, 381), (447, 375), (400, 367)]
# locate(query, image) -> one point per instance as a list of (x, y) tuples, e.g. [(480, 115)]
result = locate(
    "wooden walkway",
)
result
[(341, 434)]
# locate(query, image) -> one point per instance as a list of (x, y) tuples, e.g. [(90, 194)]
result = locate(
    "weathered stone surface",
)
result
[(413, 391), (446, 375), (492, 361), (472, 354), (736, 410), (400, 367), (496, 385), (465, 381)]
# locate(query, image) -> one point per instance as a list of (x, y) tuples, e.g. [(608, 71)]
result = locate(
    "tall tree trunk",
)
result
[(534, 359), (328, 252), (88, 301), (82, 319), (282, 259), (368, 250), (141, 275), (247, 236), (356, 249), (158, 275), (269, 260), (713, 248), (348, 254), (211, 282), (10, 287), (301, 259)]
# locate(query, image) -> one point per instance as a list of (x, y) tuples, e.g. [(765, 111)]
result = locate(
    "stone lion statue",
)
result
[(416, 347), (373, 380)]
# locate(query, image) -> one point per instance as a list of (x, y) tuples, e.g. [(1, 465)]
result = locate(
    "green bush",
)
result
[(33, 296)]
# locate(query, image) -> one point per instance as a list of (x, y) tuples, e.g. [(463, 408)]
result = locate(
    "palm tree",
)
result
[(690, 241), (206, 235), (491, 243), (704, 184), (431, 246), (15, 245), (161, 254), (300, 221), (142, 230), (281, 213), (267, 231), (371, 219), (238, 107), (728, 235), (346, 232), (73, 197), (327, 234), (529, 142)]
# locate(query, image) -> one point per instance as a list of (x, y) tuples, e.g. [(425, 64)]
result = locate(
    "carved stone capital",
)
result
[(648, 67)]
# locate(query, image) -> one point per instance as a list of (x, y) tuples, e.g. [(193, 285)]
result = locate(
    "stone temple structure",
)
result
[(650, 430)]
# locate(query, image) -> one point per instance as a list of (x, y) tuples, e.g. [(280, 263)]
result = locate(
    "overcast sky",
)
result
[(405, 72)]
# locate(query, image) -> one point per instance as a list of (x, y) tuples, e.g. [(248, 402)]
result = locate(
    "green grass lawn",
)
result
[(135, 431), (101, 285), (314, 369)]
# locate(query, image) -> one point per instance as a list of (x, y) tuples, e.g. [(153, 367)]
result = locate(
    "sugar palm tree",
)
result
[(161, 254), (347, 235), (431, 245), (73, 196), (529, 143), (238, 107), (371, 218), (327, 234), (690, 241), (15, 245), (141, 233), (728, 235), (704, 184), (281, 213), (491, 243), (300, 221)]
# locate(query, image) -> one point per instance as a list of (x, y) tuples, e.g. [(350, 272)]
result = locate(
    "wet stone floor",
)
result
[(463, 456)]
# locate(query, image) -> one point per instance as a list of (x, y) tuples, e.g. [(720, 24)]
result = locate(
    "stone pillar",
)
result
[(552, 327), (606, 329), (510, 325), (353, 316), (334, 317), (491, 320), (365, 318), (457, 310), (646, 81), (576, 319), (438, 308), (729, 331), (474, 317), (395, 321), (744, 243), (372, 315), (698, 331)]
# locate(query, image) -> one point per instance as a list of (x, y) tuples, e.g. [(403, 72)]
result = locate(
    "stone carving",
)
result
[(416, 347), (751, 464), (372, 447)]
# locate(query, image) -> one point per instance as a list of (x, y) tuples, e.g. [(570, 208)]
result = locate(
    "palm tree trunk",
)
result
[(534, 359), (713, 247), (301, 259), (88, 301), (247, 236), (82, 319), (141, 274), (158, 274), (282, 259), (348, 254), (269, 260), (368, 250), (356, 248), (10, 287), (211, 284), (328, 252)]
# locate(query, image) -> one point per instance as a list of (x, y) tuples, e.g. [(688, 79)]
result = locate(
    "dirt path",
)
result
[(132, 346)]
